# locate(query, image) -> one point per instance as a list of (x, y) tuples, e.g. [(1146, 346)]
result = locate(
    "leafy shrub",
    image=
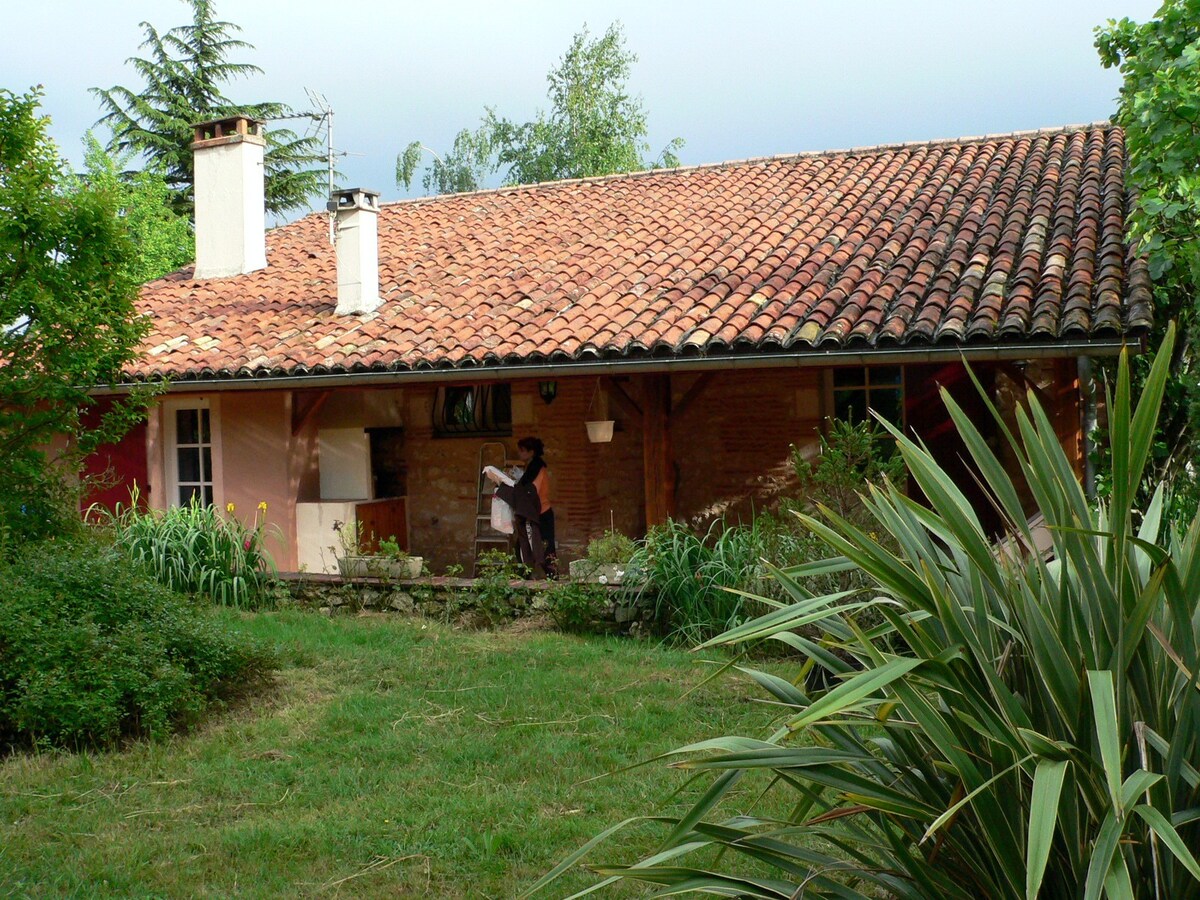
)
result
[(195, 549), (92, 650), (851, 456), (692, 579), (493, 596), (390, 548), (612, 548), (1021, 725), (575, 606)]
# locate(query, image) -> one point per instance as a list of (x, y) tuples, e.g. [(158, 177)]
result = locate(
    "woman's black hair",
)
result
[(532, 444)]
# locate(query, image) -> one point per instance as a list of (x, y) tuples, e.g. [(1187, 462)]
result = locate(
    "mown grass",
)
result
[(395, 757)]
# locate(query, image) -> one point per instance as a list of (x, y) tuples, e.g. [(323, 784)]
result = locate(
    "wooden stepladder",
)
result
[(492, 453)]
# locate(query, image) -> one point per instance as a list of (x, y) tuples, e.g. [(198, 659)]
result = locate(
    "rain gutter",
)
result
[(804, 359)]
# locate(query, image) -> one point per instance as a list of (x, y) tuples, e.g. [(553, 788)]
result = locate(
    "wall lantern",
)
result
[(548, 390)]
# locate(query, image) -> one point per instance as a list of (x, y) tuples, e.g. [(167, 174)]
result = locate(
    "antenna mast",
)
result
[(322, 115)]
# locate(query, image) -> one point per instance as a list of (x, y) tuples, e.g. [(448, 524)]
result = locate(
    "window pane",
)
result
[(885, 375), (208, 495), (204, 432), (206, 473), (187, 426), (502, 406), (473, 410), (187, 492), (850, 406), (887, 404), (189, 463), (852, 376)]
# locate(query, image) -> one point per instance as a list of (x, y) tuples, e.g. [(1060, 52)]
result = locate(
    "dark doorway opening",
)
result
[(389, 472)]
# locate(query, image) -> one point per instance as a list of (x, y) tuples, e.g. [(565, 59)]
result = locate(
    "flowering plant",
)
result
[(196, 548)]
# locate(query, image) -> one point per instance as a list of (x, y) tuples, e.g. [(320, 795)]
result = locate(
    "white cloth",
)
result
[(499, 475), (502, 514)]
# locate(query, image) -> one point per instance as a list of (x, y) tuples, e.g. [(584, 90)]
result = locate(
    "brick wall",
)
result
[(732, 441)]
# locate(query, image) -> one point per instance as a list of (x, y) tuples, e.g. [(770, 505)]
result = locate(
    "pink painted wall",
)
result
[(256, 431)]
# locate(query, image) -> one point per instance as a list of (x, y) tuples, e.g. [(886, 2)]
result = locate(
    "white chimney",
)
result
[(230, 197), (357, 250)]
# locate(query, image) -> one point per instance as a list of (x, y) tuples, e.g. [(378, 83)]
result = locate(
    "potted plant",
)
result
[(389, 562), (607, 559)]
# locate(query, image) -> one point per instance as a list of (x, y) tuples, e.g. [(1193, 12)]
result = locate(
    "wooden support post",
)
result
[(658, 462), (307, 408)]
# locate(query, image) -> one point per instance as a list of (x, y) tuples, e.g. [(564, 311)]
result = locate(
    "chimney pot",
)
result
[(230, 192)]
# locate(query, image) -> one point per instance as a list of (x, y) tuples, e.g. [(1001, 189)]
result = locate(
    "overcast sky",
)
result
[(736, 78)]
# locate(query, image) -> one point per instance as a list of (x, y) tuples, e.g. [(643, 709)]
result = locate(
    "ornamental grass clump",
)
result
[(1021, 724), (195, 549)]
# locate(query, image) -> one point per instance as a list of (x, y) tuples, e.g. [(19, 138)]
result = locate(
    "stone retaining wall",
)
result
[(471, 602)]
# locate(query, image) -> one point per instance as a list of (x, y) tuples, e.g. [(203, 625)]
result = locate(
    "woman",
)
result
[(533, 513)]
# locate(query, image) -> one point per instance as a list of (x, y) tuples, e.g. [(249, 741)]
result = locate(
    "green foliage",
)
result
[(163, 238), (194, 549), (851, 456), (493, 596), (1158, 109), (575, 606), (350, 539), (1019, 726), (390, 548), (463, 168), (67, 322), (183, 76), (611, 548), (92, 651), (693, 578), (593, 127)]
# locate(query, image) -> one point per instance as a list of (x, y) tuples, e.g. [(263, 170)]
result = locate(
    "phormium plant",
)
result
[(1020, 725)]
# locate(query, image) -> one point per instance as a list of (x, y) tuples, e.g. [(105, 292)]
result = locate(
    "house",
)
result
[(367, 362)]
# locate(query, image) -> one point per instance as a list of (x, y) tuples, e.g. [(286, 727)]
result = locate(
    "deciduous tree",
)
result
[(163, 237), (594, 127), (1159, 110), (67, 319)]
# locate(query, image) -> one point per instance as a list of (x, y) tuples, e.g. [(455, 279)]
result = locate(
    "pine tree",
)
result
[(184, 71)]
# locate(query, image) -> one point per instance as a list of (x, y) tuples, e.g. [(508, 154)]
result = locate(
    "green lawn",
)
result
[(395, 757)]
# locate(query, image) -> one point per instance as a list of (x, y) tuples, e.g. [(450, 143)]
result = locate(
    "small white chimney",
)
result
[(357, 250), (230, 191)]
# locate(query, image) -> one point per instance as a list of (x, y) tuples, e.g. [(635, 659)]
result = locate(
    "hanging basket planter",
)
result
[(600, 432)]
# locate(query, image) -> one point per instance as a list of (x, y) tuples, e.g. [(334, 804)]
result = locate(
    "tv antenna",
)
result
[(322, 117)]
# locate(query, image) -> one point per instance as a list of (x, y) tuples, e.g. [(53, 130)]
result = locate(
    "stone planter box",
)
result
[(598, 573), (380, 567)]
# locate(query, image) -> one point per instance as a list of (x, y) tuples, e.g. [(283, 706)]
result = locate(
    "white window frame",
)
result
[(170, 407)]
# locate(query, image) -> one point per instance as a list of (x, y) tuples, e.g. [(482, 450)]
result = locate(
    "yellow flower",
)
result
[(262, 507), (229, 507)]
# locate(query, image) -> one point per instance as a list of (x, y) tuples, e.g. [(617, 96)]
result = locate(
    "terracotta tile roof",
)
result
[(978, 241)]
